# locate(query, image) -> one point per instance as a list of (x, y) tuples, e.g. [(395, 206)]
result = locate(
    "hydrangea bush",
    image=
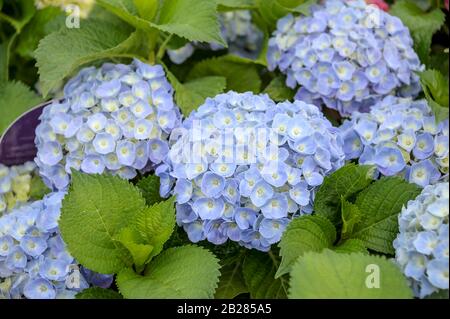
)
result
[(114, 119), (244, 166), (346, 55), (421, 248), (34, 262), (243, 37), (15, 183), (401, 137)]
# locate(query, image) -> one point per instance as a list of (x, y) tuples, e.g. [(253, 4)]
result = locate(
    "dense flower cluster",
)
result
[(84, 6), (401, 137), (244, 166), (422, 245), (242, 36), (15, 185), (113, 119), (34, 262), (346, 55)]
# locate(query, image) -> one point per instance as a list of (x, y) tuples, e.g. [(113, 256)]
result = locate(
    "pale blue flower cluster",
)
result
[(34, 262), (115, 119), (345, 55), (401, 137), (242, 167), (421, 248), (243, 37)]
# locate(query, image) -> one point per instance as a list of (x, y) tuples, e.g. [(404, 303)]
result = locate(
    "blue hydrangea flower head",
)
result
[(345, 55), (421, 247), (34, 262), (243, 37), (109, 121), (241, 167), (401, 137)]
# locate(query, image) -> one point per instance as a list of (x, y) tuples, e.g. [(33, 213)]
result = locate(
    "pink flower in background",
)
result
[(383, 5), (446, 4)]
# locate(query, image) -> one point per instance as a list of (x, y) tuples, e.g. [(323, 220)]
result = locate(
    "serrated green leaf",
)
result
[(351, 215), (149, 187), (305, 233), (421, 24), (278, 91), (96, 208), (231, 283), (330, 275), (345, 182), (37, 188), (155, 224), (380, 205), (179, 273), (15, 99), (435, 87), (259, 275), (190, 95), (98, 293), (61, 53), (351, 246), (130, 239), (241, 75)]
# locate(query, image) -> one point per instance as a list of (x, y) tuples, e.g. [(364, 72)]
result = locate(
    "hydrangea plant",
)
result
[(15, 183), (84, 6), (115, 119), (34, 262), (422, 244), (243, 37), (401, 137), (345, 55), (244, 166)]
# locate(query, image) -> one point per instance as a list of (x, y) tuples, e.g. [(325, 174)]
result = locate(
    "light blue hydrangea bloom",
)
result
[(401, 137), (243, 37), (421, 247), (242, 167), (109, 121), (345, 55), (34, 262)]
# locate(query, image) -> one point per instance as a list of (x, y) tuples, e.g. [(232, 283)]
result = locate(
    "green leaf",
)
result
[(236, 4), (96, 208), (149, 187), (278, 91), (421, 24), (146, 8), (190, 95), (259, 274), (351, 215), (179, 273), (5, 54), (345, 182), (305, 233), (435, 87), (272, 10), (37, 188), (129, 238), (351, 246), (241, 75), (380, 205), (98, 293), (329, 275), (15, 99), (155, 224), (231, 283), (61, 53)]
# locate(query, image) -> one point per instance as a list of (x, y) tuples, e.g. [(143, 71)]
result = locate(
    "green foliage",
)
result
[(328, 275), (436, 89), (306, 233), (37, 188), (232, 281), (351, 215), (345, 182), (351, 246), (273, 10), (421, 24), (149, 187), (98, 293), (259, 274), (180, 273), (15, 99), (236, 4), (278, 91)]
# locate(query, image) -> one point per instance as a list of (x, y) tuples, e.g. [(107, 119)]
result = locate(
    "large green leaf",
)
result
[(96, 208), (98, 293), (231, 283), (278, 91), (329, 275), (149, 187), (179, 273), (305, 233), (345, 182), (435, 87), (15, 99)]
